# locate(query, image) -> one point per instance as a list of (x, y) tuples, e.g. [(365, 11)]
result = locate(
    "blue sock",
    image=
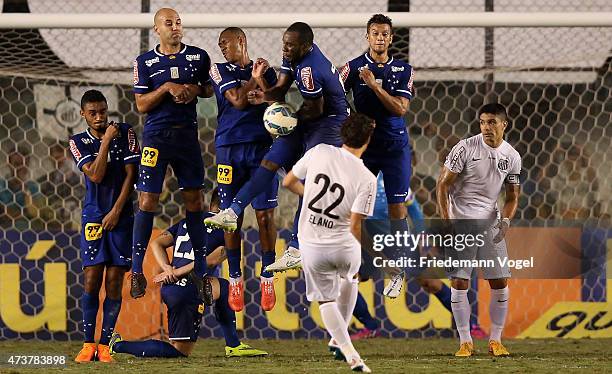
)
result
[(196, 230), (148, 348), (362, 313), (89, 305), (261, 180), (267, 258), (444, 295), (111, 310), (234, 256), (143, 225), (296, 219), (225, 315)]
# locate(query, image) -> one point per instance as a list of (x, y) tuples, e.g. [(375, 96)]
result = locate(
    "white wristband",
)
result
[(506, 220)]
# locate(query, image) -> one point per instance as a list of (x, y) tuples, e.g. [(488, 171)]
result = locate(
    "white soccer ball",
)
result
[(280, 119)]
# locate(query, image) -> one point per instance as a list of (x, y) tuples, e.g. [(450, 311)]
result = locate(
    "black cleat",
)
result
[(203, 286), (138, 285)]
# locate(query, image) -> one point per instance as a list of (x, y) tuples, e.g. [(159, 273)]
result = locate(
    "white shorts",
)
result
[(323, 268)]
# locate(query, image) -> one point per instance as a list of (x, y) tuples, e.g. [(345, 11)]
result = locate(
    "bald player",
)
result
[(167, 82)]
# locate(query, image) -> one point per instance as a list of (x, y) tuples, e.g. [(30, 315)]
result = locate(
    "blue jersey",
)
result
[(396, 77), (236, 126), (153, 69), (101, 197), (183, 249), (316, 76)]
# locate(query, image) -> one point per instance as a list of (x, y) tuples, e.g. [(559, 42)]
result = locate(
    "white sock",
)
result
[(498, 309), (335, 325), (461, 312), (348, 298)]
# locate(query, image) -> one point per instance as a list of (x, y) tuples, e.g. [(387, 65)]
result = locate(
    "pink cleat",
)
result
[(364, 333), (478, 333)]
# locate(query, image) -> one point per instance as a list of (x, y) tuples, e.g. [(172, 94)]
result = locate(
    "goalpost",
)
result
[(552, 70)]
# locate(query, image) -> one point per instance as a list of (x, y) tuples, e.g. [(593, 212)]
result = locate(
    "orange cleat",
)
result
[(87, 353), (236, 294), (268, 297), (104, 354)]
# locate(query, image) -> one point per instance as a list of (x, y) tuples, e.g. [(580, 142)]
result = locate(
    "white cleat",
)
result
[(291, 259), (225, 220), (360, 366), (394, 287)]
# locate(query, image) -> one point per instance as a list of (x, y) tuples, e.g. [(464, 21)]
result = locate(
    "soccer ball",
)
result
[(280, 119)]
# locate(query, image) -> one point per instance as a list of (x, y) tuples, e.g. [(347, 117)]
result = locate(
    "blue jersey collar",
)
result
[(371, 60)]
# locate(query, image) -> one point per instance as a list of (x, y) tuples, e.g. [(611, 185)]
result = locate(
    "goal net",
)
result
[(555, 82)]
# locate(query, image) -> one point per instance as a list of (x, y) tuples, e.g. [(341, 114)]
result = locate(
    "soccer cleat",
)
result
[(115, 338), (104, 354), (394, 287), (477, 332), (291, 259), (236, 294), (497, 349), (360, 366), (244, 350), (203, 286), (364, 333), (87, 353), (335, 350), (226, 220), (465, 350), (268, 297), (138, 285)]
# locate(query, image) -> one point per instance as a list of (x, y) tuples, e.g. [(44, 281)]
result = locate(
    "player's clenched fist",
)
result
[(367, 77), (111, 132), (255, 97), (260, 66)]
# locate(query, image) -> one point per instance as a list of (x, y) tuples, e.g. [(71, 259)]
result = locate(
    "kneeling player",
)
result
[(185, 308)]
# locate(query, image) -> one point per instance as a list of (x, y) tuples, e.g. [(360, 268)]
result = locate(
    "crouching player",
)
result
[(185, 308)]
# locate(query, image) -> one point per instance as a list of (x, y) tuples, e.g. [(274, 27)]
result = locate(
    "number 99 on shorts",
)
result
[(224, 174), (149, 156)]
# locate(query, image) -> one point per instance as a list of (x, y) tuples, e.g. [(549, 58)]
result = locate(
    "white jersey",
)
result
[(482, 172), (336, 184)]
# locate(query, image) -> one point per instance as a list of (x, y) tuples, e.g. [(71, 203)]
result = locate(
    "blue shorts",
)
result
[(287, 150), (395, 164), (113, 248), (324, 131), (185, 310), (178, 147), (236, 164)]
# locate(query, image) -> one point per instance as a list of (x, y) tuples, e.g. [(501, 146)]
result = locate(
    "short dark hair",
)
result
[(304, 32), (92, 96), (494, 108), (214, 197), (235, 30), (379, 19), (356, 130)]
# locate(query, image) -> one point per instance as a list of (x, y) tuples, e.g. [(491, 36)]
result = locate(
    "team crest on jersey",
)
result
[(75, 150), (132, 141), (503, 165), (192, 57), (152, 61), (174, 72), (306, 76), (214, 74), (135, 72), (344, 72)]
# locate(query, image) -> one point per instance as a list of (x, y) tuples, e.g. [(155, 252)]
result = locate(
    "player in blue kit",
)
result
[(107, 153), (319, 121), (185, 307), (167, 81), (241, 142)]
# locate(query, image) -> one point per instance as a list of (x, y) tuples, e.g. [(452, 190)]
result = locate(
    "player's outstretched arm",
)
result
[(397, 105), (445, 181), (278, 91), (96, 169), (110, 220), (293, 184)]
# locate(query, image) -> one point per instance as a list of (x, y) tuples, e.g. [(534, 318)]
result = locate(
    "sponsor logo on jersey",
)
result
[(306, 77), (75, 150), (456, 157), (395, 69), (135, 72), (214, 74), (192, 57), (152, 61), (411, 81), (344, 72), (132, 141), (86, 141)]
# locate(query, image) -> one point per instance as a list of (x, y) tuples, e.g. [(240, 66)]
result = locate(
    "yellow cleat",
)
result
[(465, 350), (497, 349), (244, 350)]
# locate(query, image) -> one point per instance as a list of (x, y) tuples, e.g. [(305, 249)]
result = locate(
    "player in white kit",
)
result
[(339, 192), (468, 188)]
